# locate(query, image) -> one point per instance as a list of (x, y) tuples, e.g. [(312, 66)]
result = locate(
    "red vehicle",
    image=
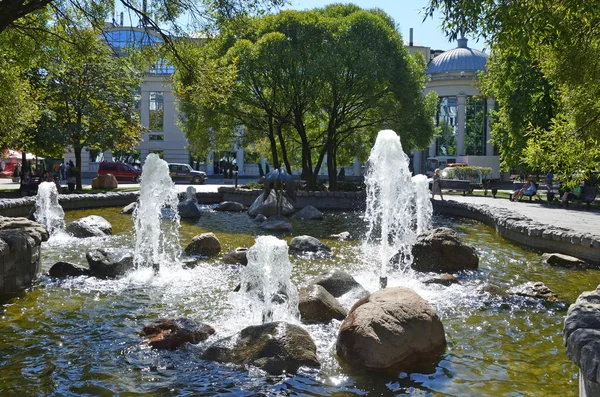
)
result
[(122, 171)]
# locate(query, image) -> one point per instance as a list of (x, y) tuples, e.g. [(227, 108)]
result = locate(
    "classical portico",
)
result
[(463, 114)]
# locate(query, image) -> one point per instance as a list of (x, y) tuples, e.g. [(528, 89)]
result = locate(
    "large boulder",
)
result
[(107, 181), (303, 245), (316, 305), (66, 269), (90, 226), (106, 263), (442, 251), (274, 347), (237, 256), (308, 213), (172, 333), (231, 206), (205, 244), (340, 283), (392, 329), (268, 207), (188, 208)]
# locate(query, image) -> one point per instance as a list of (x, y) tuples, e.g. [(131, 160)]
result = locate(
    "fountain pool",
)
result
[(80, 336)]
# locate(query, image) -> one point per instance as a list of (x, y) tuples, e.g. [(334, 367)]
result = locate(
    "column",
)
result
[(489, 147), (356, 167), (417, 154), (461, 119)]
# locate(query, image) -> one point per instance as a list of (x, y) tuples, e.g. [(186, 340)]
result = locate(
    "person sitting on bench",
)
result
[(528, 189), (572, 195)]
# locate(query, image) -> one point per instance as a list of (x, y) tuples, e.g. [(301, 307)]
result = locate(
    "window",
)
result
[(157, 111), (159, 152), (156, 137)]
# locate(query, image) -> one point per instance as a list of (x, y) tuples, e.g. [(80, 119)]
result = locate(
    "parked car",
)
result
[(122, 171), (184, 172)]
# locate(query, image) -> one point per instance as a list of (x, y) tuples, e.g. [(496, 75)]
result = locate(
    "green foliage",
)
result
[(307, 86), (544, 77)]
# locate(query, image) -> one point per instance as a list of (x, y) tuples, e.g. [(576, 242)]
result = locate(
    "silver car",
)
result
[(184, 172)]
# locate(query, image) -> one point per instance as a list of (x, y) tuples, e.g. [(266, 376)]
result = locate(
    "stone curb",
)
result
[(523, 230)]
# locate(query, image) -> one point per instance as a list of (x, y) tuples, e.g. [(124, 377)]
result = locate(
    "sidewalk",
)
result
[(575, 217)]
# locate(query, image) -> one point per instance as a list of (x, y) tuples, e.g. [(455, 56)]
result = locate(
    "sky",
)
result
[(407, 14)]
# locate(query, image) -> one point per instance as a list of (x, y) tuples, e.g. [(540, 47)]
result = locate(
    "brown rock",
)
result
[(392, 329)]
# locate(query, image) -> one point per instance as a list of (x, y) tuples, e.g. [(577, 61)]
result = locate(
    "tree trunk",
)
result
[(307, 171), (332, 167), (284, 156), (271, 134), (77, 150)]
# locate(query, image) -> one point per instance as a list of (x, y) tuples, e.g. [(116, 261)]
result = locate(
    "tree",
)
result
[(91, 96), (323, 80), (550, 65)]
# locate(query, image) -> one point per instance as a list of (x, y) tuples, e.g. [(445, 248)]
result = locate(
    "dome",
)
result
[(459, 59)]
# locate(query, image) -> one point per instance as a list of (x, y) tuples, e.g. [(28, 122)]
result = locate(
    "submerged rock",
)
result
[(536, 290), (205, 244), (276, 347), (308, 213), (172, 333), (276, 223), (442, 251), (338, 283), (302, 245), (443, 279), (66, 269), (129, 208), (231, 206), (237, 256), (316, 305), (556, 259), (392, 329), (90, 226), (105, 263)]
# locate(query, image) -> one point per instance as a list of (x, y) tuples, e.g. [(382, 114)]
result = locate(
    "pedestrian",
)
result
[(437, 184), (71, 176), (61, 169)]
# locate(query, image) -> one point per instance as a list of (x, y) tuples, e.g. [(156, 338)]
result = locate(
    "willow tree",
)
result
[(551, 65), (324, 80)]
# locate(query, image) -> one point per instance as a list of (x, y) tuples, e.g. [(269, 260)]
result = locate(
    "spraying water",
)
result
[(398, 205), (48, 211), (156, 237), (266, 292)]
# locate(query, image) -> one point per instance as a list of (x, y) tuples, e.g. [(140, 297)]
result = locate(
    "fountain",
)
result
[(156, 238), (398, 206), (84, 330), (267, 293), (48, 211)]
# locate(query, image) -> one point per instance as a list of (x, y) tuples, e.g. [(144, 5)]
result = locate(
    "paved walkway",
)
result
[(576, 217)]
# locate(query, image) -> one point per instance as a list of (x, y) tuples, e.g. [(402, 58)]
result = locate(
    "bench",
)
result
[(517, 186), (455, 184)]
